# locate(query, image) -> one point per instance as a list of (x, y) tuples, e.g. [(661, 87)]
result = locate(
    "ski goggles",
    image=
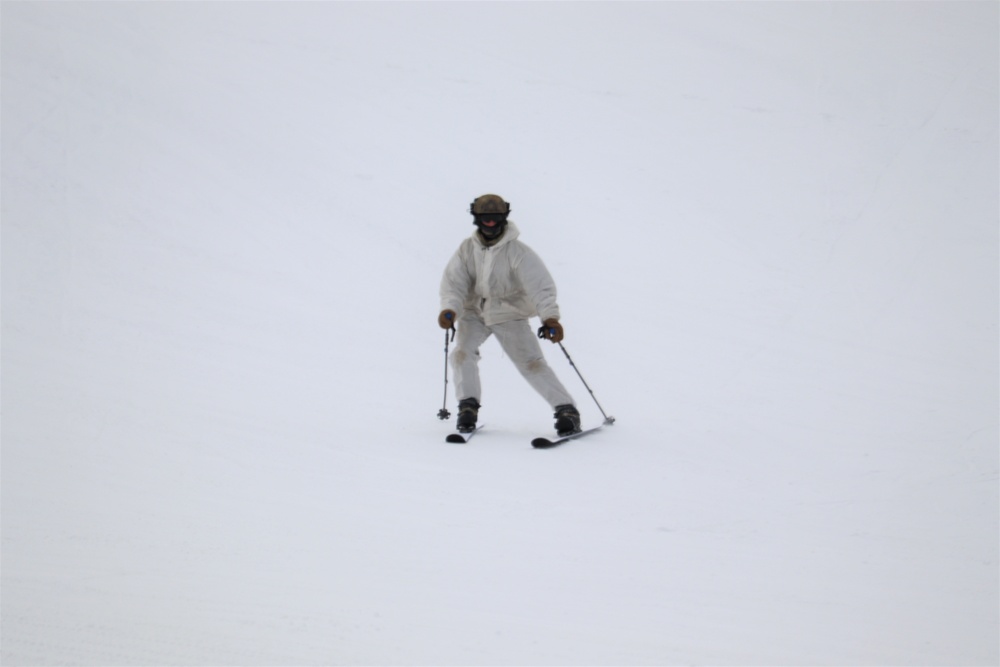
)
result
[(491, 217)]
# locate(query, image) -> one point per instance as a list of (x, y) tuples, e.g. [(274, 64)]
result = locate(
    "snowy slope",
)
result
[(774, 229)]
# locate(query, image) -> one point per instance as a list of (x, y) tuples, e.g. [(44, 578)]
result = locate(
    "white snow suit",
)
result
[(494, 289)]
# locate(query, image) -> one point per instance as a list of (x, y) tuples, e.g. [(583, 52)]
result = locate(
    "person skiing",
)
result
[(491, 286)]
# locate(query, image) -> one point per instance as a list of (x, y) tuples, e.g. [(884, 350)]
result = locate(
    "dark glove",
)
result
[(446, 320), (551, 329)]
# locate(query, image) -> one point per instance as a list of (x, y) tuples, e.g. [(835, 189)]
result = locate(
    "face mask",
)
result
[(491, 231)]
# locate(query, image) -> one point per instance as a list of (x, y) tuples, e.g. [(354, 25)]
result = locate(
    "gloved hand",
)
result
[(446, 320), (551, 329)]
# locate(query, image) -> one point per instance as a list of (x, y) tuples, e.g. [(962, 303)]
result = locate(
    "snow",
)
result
[(774, 230)]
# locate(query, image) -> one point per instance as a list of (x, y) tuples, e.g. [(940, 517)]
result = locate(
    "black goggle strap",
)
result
[(472, 210)]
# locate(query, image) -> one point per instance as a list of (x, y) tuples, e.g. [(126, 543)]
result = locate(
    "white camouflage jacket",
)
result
[(503, 282)]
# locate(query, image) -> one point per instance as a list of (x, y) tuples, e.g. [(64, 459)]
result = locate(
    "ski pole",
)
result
[(443, 412), (607, 420)]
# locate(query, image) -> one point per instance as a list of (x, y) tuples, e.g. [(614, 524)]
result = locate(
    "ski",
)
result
[(460, 438), (546, 443)]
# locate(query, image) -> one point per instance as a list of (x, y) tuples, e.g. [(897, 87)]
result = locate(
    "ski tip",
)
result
[(542, 443), (461, 437)]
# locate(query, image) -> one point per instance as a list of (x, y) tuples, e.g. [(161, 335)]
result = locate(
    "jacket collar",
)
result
[(510, 234)]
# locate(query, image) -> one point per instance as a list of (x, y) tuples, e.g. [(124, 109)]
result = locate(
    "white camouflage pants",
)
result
[(521, 345)]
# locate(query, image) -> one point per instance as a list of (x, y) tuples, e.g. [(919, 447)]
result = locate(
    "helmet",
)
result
[(490, 215), (489, 204)]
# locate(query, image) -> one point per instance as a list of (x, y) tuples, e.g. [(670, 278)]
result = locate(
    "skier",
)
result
[(491, 286)]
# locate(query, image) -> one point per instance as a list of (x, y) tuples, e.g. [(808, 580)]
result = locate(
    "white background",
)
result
[(775, 232)]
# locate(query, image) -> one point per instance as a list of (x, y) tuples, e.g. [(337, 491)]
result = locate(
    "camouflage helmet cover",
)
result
[(489, 204)]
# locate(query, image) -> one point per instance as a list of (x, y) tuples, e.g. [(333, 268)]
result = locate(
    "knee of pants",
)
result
[(534, 365), (459, 356)]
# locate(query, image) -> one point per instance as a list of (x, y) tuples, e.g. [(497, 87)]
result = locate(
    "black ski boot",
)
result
[(567, 419), (468, 412)]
